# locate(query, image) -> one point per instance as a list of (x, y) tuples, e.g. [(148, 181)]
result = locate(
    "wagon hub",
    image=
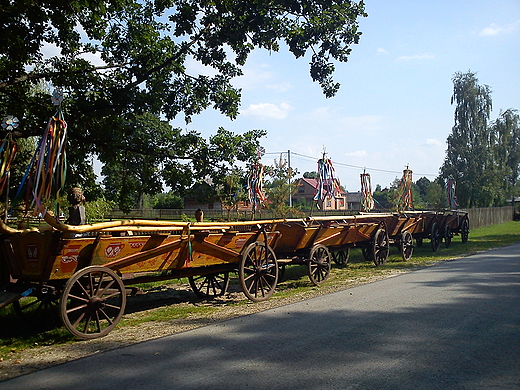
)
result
[(95, 303)]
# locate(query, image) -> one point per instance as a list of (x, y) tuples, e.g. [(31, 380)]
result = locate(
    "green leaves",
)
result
[(481, 155), (118, 60)]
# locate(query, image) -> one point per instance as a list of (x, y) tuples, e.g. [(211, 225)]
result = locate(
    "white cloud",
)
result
[(255, 76), (433, 142), (425, 56), (268, 110), (357, 153), (495, 29), (380, 50)]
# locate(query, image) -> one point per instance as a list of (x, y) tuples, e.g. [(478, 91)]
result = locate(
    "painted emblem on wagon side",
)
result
[(113, 249), (69, 258)]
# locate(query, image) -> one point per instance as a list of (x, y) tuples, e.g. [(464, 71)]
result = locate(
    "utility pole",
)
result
[(289, 164)]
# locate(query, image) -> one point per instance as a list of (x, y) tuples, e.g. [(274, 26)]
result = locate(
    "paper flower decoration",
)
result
[(260, 151), (10, 123), (57, 96)]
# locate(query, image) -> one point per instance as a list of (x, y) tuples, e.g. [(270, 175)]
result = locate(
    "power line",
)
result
[(353, 166)]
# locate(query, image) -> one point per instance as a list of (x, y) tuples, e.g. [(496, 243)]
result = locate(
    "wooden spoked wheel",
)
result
[(447, 236), (319, 264), (40, 309), (464, 230), (380, 247), (92, 302), (367, 252), (406, 246), (435, 237), (210, 286), (341, 257), (258, 272)]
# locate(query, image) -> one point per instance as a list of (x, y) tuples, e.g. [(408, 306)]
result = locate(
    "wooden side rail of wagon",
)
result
[(80, 268)]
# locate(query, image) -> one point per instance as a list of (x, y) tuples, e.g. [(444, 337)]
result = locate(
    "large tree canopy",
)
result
[(483, 157), (117, 60)]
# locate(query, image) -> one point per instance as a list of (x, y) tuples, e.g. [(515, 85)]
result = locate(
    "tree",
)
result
[(506, 130), (435, 195), (119, 60), (169, 200), (230, 190), (422, 185), (310, 175), (467, 155), (280, 187)]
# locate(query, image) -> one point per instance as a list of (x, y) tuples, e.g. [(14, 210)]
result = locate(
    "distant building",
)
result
[(306, 189)]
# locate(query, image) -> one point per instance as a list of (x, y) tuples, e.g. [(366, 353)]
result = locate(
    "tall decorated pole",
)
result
[(450, 193), (404, 192), (367, 200), (44, 177), (328, 185), (255, 184), (8, 149)]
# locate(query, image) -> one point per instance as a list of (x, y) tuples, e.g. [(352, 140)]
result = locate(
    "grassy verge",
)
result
[(18, 334)]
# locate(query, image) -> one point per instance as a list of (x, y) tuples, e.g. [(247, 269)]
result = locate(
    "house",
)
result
[(306, 189)]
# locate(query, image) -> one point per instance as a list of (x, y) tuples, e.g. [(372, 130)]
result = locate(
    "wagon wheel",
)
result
[(341, 257), (435, 237), (92, 302), (319, 264), (406, 246), (210, 286), (464, 230), (447, 236), (38, 308), (381, 247), (367, 252), (258, 272)]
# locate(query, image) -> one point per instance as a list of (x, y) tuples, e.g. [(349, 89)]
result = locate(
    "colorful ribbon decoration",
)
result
[(404, 192), (328, 183), (367, 200), (450, 192), (45, 175), (255, 187), (8, 149)]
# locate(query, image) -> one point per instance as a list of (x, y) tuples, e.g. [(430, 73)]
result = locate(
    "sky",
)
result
[(393, 109)]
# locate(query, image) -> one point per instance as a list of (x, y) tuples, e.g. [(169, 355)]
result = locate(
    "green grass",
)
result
[(18, 334)]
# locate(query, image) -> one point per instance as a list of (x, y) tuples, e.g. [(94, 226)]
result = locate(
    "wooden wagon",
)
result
[(453, 222), (316, 241), (84, 269), (438, 225)]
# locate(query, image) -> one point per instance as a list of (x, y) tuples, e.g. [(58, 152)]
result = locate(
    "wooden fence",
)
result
[(486, 216), (478, 217)]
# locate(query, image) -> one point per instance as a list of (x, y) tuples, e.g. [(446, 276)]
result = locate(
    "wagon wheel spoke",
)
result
[(210, 286), (92, 302), (258, 272), (464, 230), (341, 257), (319, 264), (381, 247), (447, 236), (406, 245), (435, 237), (40, 310)]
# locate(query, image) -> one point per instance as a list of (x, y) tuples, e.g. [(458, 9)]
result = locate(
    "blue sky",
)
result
[(393, 108)]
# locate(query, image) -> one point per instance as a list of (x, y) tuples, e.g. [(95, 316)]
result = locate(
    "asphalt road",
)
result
[(455, 325)]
